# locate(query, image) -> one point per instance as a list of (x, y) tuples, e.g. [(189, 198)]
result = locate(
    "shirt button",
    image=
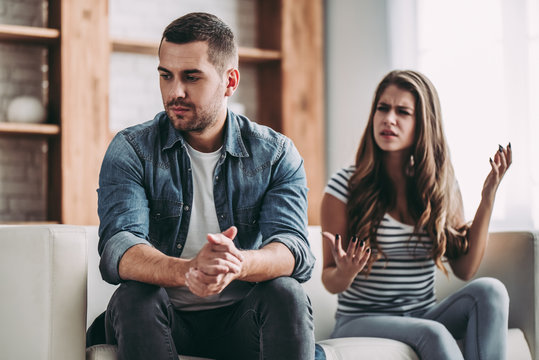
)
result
[(186, 207), (217, 178), (179, 246)]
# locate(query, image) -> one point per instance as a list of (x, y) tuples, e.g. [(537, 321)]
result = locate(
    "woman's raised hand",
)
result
[(351, 261), (499, 165)]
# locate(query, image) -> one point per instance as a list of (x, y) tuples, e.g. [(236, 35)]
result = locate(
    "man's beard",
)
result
[(194, 120)]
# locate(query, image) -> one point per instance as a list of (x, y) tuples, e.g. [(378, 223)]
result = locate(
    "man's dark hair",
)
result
[(199, 26)]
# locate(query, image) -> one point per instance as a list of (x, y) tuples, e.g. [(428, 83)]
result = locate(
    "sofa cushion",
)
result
[(43, 282), (108, 352), (359, 348)]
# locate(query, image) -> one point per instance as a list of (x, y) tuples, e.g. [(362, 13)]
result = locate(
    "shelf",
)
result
[(26, 223), (29, 129), (258, 55), (246, 54), (28, 34)]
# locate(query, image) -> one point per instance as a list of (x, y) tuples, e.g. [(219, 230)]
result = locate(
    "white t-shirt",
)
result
[(202, 222), (203, 214)]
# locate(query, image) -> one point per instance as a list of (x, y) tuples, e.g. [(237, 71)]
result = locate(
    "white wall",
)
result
[(485, 73), (357, 57)]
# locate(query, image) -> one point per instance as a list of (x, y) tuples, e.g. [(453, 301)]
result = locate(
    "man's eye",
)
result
[(165, 76), (191, 78)]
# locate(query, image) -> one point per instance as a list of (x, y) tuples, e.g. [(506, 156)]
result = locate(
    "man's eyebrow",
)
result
[(192, 71), (187, 72)]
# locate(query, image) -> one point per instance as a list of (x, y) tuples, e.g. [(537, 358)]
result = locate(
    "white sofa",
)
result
[(52, 290)]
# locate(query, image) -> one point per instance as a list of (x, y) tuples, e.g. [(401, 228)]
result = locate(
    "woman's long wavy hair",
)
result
[(431, 187)]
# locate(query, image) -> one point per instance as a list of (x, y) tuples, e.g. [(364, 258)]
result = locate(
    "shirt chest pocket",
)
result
[(246, 220), (165, 219)]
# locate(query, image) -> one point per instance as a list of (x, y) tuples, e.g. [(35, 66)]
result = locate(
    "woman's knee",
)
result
[(436, 337), (489, 291)]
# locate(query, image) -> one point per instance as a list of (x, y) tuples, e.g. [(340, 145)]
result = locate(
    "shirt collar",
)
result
[(233, 143)]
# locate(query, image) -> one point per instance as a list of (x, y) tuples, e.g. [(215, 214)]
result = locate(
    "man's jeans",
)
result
[(477, 313), (274, 321)]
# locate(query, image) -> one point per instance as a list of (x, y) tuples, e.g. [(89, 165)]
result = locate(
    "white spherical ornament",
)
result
[(26, 109)]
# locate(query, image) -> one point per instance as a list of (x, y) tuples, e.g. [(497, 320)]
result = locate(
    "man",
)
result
[(203, 218)]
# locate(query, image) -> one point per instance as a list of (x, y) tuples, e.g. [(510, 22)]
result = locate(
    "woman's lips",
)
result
[(388, 133)]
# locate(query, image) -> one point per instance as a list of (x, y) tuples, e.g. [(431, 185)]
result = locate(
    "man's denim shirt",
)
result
[(146, 192)]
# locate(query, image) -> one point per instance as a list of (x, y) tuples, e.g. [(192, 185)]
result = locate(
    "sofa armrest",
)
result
[(43, 282), (510, 257)]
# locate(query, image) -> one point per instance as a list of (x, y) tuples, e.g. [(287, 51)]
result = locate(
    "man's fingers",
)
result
[(223, 238), (231, 232), (203, 285), (221, 243), (220, 266)]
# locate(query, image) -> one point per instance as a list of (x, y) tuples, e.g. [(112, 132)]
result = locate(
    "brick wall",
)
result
[(23, 173), (23, 161)]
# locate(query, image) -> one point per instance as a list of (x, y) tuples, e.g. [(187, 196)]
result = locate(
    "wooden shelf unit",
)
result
[(247, 54), (7, 128), (31, 34)]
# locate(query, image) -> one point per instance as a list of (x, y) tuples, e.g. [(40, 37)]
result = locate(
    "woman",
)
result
[(394, 216)]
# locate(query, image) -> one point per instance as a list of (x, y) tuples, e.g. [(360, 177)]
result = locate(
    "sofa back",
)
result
[(43, 284), (45, 271)]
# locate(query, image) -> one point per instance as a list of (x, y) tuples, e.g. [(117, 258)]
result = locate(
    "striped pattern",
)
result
[(400, 283)]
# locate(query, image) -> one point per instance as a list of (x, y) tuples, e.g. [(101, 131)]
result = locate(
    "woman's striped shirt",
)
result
[(402, 281)]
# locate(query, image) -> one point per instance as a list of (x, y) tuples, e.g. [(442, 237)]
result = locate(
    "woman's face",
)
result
[(394, 120)]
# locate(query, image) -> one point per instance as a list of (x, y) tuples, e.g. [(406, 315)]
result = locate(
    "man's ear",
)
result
[(233, 79)]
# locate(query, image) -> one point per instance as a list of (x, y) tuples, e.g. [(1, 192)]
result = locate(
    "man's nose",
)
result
[(178, 90)]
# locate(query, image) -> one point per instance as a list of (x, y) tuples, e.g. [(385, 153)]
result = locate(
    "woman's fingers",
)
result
[(509, 155), (334, 243), (364, 258), (502, 155), (352, 246)]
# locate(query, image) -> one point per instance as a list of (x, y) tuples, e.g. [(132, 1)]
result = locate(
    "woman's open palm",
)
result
[(351, 261)]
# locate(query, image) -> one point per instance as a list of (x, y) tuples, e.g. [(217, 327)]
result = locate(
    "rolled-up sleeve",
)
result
[(122, 206), (113, 250), (283, 216)]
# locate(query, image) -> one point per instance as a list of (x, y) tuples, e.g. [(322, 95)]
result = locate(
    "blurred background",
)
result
[(483, 58), (309, 68)]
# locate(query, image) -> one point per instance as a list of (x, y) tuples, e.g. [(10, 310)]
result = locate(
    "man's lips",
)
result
[(179, 109)]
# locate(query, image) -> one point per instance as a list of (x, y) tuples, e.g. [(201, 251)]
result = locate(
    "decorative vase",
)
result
[(26, 109)]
